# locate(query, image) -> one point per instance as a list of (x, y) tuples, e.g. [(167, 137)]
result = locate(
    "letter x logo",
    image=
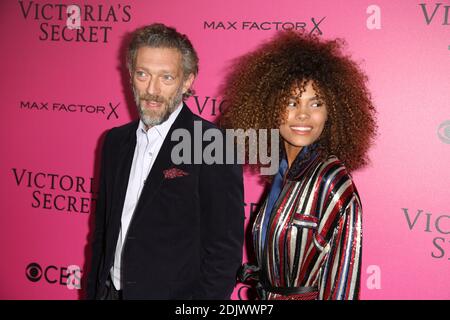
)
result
[(113, 110), (316, 25)]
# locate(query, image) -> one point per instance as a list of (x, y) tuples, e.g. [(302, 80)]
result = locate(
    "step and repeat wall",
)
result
[(64, 84)]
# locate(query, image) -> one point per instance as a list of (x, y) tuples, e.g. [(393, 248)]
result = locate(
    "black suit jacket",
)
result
[(186, 235)]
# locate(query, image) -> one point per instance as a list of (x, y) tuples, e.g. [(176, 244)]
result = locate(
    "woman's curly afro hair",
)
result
[(260, 83)]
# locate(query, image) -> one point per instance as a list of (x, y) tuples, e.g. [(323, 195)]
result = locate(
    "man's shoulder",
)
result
[(206, 124), (123, 131)]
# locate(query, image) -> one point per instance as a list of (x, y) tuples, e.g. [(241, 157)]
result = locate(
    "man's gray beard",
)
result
[(152, 120)]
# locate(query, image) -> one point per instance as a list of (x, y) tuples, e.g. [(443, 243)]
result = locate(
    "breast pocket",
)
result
[(310, 223), (178, 187), (178, 200), (305, 221)]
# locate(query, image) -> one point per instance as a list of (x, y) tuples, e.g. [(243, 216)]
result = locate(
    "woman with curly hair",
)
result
[(307, 236)]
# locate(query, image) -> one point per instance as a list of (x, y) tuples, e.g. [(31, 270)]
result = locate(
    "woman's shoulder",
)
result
[(335, 184), (333, 172), (331, 164)]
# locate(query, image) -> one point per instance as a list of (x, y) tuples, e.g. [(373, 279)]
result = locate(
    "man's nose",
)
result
[(153, 87)]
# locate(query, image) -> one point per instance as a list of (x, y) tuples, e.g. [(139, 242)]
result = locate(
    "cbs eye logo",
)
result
[(65, 276), (443, 132), (34, 272)]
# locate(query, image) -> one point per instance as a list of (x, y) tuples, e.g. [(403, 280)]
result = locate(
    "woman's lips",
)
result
[(301, 130)]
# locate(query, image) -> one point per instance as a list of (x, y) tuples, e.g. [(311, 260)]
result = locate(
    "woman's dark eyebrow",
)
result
[(310, 99)]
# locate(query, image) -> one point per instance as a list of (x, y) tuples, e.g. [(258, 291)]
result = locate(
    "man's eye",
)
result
[(317, 104), (168, 77), (140, 73)]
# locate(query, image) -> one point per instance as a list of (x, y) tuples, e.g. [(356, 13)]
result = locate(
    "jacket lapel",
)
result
[(163, 161), (124, 162)]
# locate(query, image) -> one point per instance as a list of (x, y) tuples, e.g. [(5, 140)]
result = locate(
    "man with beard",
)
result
[(163, 231)]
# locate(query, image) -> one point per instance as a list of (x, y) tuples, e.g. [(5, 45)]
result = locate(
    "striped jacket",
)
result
[(314, 233)]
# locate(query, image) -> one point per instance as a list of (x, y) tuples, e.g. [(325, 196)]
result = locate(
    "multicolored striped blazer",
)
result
[(314, 233)]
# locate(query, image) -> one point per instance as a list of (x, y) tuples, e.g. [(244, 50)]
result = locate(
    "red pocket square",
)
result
[(174, 173)]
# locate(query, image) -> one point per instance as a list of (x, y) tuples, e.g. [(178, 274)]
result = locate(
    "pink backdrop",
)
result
[(60, 95)]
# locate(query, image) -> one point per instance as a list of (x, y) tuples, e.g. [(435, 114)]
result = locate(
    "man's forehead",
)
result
[(159, 55), (159, 50)]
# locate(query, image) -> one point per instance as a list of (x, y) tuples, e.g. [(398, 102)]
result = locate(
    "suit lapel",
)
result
[(163, 161), (124, 162)]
